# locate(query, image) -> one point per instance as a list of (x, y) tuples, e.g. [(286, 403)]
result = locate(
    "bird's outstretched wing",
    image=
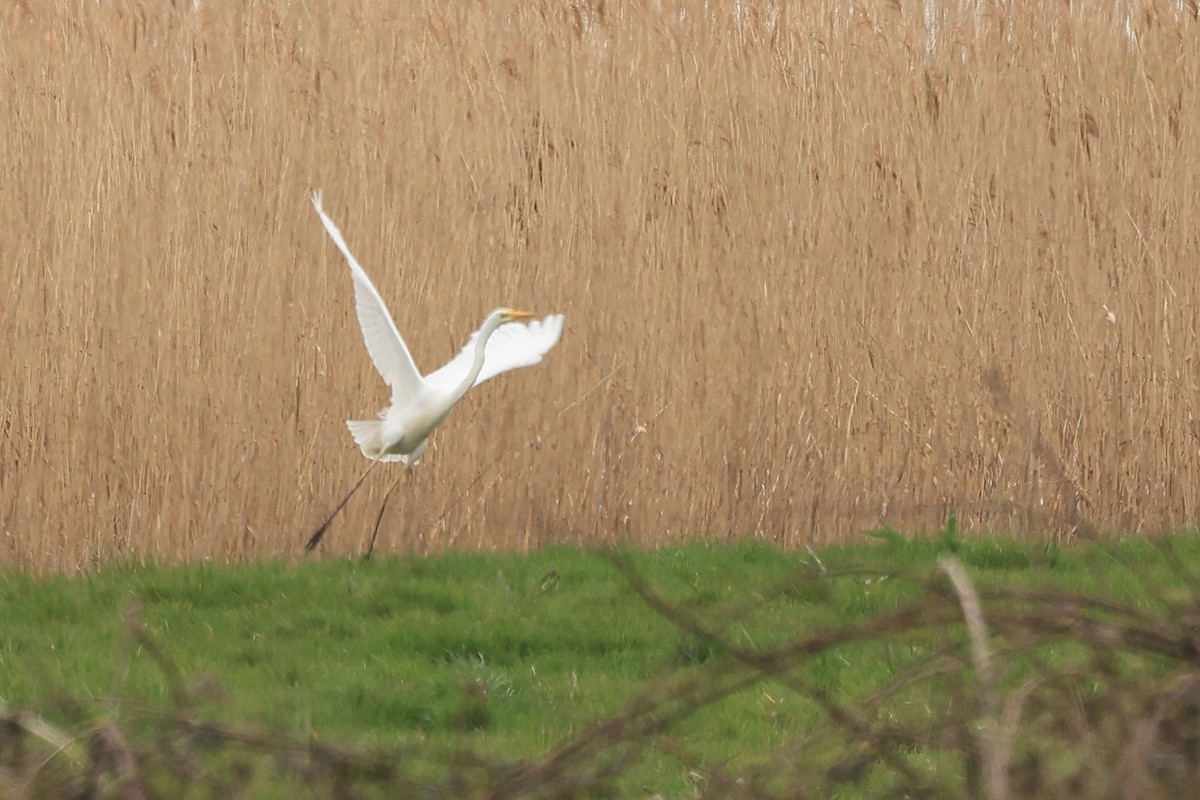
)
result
[(513, 345), (387, 349)]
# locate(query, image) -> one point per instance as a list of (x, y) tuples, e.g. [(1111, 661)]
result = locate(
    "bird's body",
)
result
[(421, 403), (403, 430)]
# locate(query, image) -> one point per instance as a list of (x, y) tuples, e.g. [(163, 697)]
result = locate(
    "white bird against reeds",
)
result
[(504, 342)]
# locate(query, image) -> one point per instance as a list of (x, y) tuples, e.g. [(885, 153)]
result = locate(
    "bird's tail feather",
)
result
[(365, 433), (366, 436)]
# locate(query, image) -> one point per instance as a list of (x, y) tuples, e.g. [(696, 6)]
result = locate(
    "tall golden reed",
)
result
[(822, 271)]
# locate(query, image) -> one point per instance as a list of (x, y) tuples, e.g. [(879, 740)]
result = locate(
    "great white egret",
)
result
[(421, 403)]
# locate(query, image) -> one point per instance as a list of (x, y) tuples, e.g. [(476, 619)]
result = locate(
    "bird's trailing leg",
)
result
[(371, 546), (319, 532)]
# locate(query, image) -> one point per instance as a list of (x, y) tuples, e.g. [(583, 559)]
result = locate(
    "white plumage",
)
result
[(421, 403), (507, 340)]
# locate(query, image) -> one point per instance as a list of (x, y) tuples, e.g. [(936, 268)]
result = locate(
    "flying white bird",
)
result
[(421, 403)]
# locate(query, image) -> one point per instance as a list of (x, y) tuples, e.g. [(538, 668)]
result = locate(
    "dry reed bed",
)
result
[(820, 273)]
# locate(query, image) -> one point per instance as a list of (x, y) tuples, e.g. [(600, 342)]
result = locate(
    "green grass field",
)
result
[(508, 657)]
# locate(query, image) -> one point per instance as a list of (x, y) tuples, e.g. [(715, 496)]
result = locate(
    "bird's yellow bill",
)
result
[(513, 314)]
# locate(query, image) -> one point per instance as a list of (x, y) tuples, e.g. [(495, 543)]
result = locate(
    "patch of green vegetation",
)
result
[(506, 656)]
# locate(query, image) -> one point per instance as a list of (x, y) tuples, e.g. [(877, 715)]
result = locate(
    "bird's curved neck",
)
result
[(485, 333)]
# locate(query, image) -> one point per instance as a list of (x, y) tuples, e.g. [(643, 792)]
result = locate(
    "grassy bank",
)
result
[(508, 658)]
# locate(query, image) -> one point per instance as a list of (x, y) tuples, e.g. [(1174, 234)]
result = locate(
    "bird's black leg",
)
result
[(371, 546), (315, 539)]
